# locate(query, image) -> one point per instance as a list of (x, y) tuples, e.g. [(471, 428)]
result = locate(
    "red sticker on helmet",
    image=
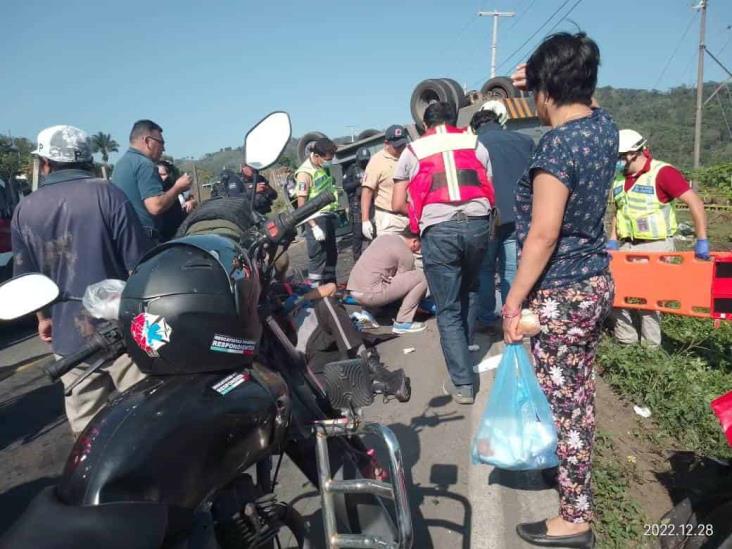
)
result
[(150, 332)]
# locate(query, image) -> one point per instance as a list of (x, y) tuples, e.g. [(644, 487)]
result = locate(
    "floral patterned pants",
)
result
[(564, 351)]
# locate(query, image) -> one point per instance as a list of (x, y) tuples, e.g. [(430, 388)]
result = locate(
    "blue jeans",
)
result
[(452, 252), (501, 253)]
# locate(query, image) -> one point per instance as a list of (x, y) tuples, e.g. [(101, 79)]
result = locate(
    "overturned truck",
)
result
[(519, 105)]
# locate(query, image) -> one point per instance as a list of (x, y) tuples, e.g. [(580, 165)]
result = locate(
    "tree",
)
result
[(103, 143)]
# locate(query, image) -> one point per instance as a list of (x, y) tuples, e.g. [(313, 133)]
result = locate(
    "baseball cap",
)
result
[(64, 144), (396, 135)]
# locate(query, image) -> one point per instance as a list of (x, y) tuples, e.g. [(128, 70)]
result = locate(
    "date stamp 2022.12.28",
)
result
[(680, 530)]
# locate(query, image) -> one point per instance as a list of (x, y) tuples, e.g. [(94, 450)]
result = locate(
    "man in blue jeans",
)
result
[(510, 153), (446, 174)]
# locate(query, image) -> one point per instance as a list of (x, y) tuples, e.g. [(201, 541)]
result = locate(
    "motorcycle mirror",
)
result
[(26, 294), (266, 141)]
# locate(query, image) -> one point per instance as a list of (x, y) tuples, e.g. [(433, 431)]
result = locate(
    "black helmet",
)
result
[(190, 306), (363, 155)]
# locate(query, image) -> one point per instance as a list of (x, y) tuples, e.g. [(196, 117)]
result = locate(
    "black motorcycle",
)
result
[(189, 457)]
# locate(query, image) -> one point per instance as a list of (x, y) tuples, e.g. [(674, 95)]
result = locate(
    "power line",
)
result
[(522, 13), (577, 3), (530, 38), (676, 50)]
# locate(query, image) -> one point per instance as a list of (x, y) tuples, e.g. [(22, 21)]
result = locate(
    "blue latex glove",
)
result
[(701, 248), (613, 245)]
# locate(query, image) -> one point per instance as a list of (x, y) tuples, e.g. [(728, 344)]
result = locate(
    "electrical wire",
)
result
[(530, 38), (673, 54), (577, 3), (521, 15)]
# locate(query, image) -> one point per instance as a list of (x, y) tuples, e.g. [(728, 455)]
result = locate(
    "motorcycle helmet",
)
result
[(190, 306), (363, 155)]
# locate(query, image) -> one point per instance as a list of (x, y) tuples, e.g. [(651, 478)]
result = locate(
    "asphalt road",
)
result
[(454, 503)]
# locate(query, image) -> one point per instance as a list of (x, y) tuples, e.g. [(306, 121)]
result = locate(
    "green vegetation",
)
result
[(104, 144), (679, 381), (15, 157), (667, 120), (619, 519)]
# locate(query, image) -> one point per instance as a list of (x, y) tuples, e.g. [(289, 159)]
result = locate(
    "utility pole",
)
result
[(353, 133), (700, 84), (494, 42)]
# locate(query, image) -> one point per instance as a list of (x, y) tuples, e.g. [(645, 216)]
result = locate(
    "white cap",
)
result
[(64, 144), (630, 140), (497, 107)]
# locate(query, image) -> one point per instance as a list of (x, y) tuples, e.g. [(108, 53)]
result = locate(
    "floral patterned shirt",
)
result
[(581, 154)]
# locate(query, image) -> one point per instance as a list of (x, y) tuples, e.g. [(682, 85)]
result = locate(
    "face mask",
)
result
[(620, 166), (326, 163)]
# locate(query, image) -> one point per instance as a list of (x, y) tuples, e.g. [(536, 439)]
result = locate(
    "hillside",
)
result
[(667, 119)]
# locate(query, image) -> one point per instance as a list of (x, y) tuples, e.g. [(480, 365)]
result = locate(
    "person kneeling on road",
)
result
[(326, 334), (385, 273)]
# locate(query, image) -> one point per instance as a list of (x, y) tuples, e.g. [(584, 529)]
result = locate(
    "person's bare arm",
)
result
[(613, 231), (161, 203), (696, 207), (548, 205), (399, 197), (45, 327), (367, 196)]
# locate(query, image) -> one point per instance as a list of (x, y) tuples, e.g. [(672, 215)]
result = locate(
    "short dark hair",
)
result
[(438, 113), (564, 66), (407, 232), (142, 128), (324, 147), (87, 166), (483, 117)]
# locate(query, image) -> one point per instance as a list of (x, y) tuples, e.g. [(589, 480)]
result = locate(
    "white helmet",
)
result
[(497, 107), (629, 141), (64, 144)]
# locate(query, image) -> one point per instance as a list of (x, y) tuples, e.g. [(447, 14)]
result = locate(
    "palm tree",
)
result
[(103, 143)]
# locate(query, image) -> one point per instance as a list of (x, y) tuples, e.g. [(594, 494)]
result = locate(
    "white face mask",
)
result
[(326, 163)]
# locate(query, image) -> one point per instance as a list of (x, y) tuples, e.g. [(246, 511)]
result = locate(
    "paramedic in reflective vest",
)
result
[(446, 175), (645, 220), (313, 177)]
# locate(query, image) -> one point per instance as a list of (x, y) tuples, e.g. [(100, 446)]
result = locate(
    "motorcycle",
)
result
[(189, 457)]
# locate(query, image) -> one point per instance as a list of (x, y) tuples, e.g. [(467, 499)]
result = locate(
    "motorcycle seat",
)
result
[(51, 524)]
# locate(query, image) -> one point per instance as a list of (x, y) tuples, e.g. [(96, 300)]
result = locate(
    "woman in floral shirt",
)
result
[(563, 268)]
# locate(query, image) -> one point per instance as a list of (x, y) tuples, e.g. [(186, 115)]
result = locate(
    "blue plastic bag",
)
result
[(517, 428)]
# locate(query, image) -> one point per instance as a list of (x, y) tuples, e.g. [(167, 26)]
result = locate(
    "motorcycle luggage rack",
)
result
[(395, 489)]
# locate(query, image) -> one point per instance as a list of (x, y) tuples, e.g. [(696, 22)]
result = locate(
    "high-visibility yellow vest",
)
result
[(640, 215), (321, 181)]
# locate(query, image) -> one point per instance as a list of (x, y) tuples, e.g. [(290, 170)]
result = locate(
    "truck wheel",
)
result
[(303, 146), (500, 86), (460, 100), (367, 133), (426, 93), (475, 97)]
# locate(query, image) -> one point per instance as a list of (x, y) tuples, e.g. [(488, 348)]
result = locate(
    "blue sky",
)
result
[(206, 71)]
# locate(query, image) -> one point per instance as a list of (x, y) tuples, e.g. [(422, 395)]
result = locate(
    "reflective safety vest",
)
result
[(640, 215), (449, 171), (320, 181)]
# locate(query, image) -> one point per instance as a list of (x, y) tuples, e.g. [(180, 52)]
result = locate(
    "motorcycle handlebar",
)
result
[(280, 225), (58, 368)]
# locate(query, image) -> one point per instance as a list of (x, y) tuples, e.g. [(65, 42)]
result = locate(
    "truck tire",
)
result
[(475, 97), (367, 133), (305, 142), (500, 86), (426, 93), (460, 100)]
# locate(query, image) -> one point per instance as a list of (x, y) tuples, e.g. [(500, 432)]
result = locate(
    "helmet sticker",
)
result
[(231, 382), (228, 344), (150, 332)]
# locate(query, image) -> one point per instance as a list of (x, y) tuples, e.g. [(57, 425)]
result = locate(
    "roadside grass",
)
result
[(677, 383), (619, 519)]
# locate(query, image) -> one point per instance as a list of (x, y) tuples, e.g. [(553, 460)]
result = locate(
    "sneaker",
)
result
[(462, 394), (408, 327)]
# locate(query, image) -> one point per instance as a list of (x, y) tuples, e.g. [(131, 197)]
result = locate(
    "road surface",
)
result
[(454, 503)]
